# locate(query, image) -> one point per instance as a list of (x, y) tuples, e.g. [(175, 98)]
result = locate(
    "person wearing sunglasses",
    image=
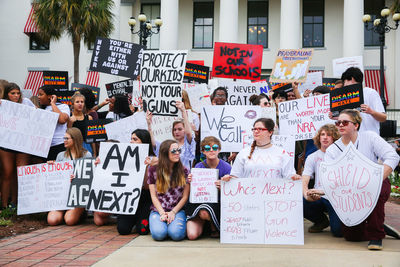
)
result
[(374, 147), (169, 191), (200, 214)]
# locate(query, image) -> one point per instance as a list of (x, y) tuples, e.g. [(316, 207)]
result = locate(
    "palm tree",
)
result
[(395, 6), (80, 19)]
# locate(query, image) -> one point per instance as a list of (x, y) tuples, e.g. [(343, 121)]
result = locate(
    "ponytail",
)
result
[(253, 146)]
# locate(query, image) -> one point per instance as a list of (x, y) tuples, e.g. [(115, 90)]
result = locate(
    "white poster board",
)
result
[(199, 96), (287, 143), (352, 183), (118, 179), (162, 127), (121, 130), (239, 91), (340, 65), (230, 124), (202, 187), (26, 129), (313, 80), (44, 187), (260, 211), (303, 117)]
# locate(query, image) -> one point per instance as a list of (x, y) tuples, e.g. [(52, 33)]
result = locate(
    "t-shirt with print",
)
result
[(311, 167)]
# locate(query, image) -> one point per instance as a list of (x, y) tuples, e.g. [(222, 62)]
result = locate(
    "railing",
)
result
[(393, 114)]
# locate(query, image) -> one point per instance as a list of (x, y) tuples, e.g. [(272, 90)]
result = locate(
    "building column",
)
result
[(228, 21), (116, 12), (169, 29), (353, 28), (290, 24), (397, 70)]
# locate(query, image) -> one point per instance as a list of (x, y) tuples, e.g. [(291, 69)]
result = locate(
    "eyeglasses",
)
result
[(176, 151), (259, 129), (220, 95), (66, 138), (208, 148), (343, 122)]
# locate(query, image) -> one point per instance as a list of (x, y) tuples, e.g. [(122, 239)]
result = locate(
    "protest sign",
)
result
[(287, 143), (56, 79), (120, 88), (340, 65), (80, 186), (352, 184), (329, 82), (95, 90), (26, 129), (239, 91), (263, 87), (313, 80), (196, 73), (350, 96), (237, 61), (121, 130), (118, 179), (199, 97), (64, 96), (161, 81), (162, 127), (303, 117), (116, 57), (96, 130), (202, 186), (43, 187), (230, 124), (260, 211), (291, 65)]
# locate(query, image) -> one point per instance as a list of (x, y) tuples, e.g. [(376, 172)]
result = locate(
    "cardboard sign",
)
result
[(56, 79), (26, 129), (352, 184), (259, 211), (161, 81), (264, 87), (196, 73), (95, 90), (346, 97), (239, 91), (121, 130), (329, 82), (237, 61), (118, 179), (291, 65), (199, 97), (43, 187), (202, 187), (230, 124), (80, 186), (303, 117), (340, 65), (116, 57), (313, 80), (96, 130), (286, 142), (162, 127)]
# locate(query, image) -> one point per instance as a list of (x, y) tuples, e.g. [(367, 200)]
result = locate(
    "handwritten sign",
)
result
[(121, 130), (26, 129), (353, 192), (56, 79), (239, 91), (286, 142), (346, 97), (230, 124), (303, 117), (43, 187), (202, 187), (80, 186), (95, 90), (263, 87), (116, 57), (118, 179), (161, 81), (199, 96), (313, 80), (291, 65), (196, 73), (162, 127), (340, 65), (96, 130), (259, 211)]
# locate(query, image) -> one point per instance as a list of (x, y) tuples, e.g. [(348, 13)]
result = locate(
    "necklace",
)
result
[(264, 145)]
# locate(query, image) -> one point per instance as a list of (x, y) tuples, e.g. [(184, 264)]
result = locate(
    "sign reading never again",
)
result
[(80, 186), (116, 57)]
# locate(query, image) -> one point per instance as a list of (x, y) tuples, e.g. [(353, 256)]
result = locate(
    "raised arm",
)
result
[(188, 131)]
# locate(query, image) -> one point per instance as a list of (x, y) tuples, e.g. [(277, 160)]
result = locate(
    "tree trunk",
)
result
[(77, 48)]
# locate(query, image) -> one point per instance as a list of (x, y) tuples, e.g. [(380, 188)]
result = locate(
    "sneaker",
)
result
[(319, 227), (391, 231), (375, 245)]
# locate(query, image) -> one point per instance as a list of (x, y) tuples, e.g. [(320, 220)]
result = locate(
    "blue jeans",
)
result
[(314, 212), (176, 229)]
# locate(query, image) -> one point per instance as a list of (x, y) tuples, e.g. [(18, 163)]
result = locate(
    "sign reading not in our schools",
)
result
[(238, 61)]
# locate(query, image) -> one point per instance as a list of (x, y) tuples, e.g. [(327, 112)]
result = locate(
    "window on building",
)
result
[(152, 11), (203, 24), (373, 8), (313, 23), (36, 43), (257, 23)]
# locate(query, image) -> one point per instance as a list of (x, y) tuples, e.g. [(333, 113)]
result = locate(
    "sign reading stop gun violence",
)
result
[(26, 129), (259, 211), (303, 117), (43, 187), (161, 81), (118, 179), (80, 185), (116, 57), (352, 184)]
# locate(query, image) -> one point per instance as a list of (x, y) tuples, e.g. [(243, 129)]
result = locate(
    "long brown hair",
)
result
[(77, 137), (8, 88), (269, 124), (166, 179)]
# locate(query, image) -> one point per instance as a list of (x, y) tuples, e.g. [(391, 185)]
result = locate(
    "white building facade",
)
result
[(334, 28)]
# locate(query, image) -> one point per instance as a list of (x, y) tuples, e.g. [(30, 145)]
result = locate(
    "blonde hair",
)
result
[(76, 95), (355, 116), (185, 100), (77, 147)]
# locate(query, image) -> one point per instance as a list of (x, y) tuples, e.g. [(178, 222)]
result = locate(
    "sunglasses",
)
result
[(259, 129), (176, 151), (208, 148), (343, 122)]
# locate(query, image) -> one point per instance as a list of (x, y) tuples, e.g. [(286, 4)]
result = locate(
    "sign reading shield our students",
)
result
[(352, 184), (237, 61), (80, 186), (291, 65), (56, 79), (350, 96), (197, 73), (116, 57)]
